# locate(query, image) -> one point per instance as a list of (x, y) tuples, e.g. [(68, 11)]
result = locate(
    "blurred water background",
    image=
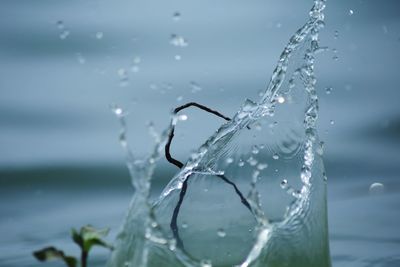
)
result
[(62, 63)]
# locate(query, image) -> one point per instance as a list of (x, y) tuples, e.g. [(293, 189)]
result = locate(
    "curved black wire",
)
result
[(173, 223)]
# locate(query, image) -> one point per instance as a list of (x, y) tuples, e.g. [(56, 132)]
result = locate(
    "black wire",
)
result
[(177, 163)]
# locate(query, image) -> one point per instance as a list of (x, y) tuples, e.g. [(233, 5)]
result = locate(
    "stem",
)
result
[(84, 258)]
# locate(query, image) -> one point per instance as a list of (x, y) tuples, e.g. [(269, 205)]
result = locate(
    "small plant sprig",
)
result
[(86, 238)]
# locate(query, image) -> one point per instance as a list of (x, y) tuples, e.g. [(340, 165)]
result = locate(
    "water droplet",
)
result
[(99, 35), (176, 16), (376, 188), (252, 161), (262, 166), (328, 90), (332, 122), (255, 149), (284, 184), (184, 225), (335, 57), (221, 232), (351, 12), (172, 244), (336, 34), (177, 40), (275, 156), (205, 263), (229, 160), (182, 117), (241, 163), (178, 57), (281, 99)]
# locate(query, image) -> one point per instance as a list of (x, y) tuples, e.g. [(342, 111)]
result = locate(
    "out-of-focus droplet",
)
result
[(328, 90), (60, 24), (179, 98), (376, 188), (99, 35), (335, 57), (177, 40), (137, 60), (64, 35), (123, 77), (80, 58), (176, 16), (135, 68), (178, 57), (195, 87), (221, 232)]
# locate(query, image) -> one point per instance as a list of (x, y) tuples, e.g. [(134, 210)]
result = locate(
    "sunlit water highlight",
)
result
[(270, 150)]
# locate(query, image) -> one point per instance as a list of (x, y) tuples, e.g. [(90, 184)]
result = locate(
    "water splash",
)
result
[(204, 217)]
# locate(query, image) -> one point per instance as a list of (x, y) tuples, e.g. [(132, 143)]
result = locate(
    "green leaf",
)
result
[(89, 236), (50, 253)]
